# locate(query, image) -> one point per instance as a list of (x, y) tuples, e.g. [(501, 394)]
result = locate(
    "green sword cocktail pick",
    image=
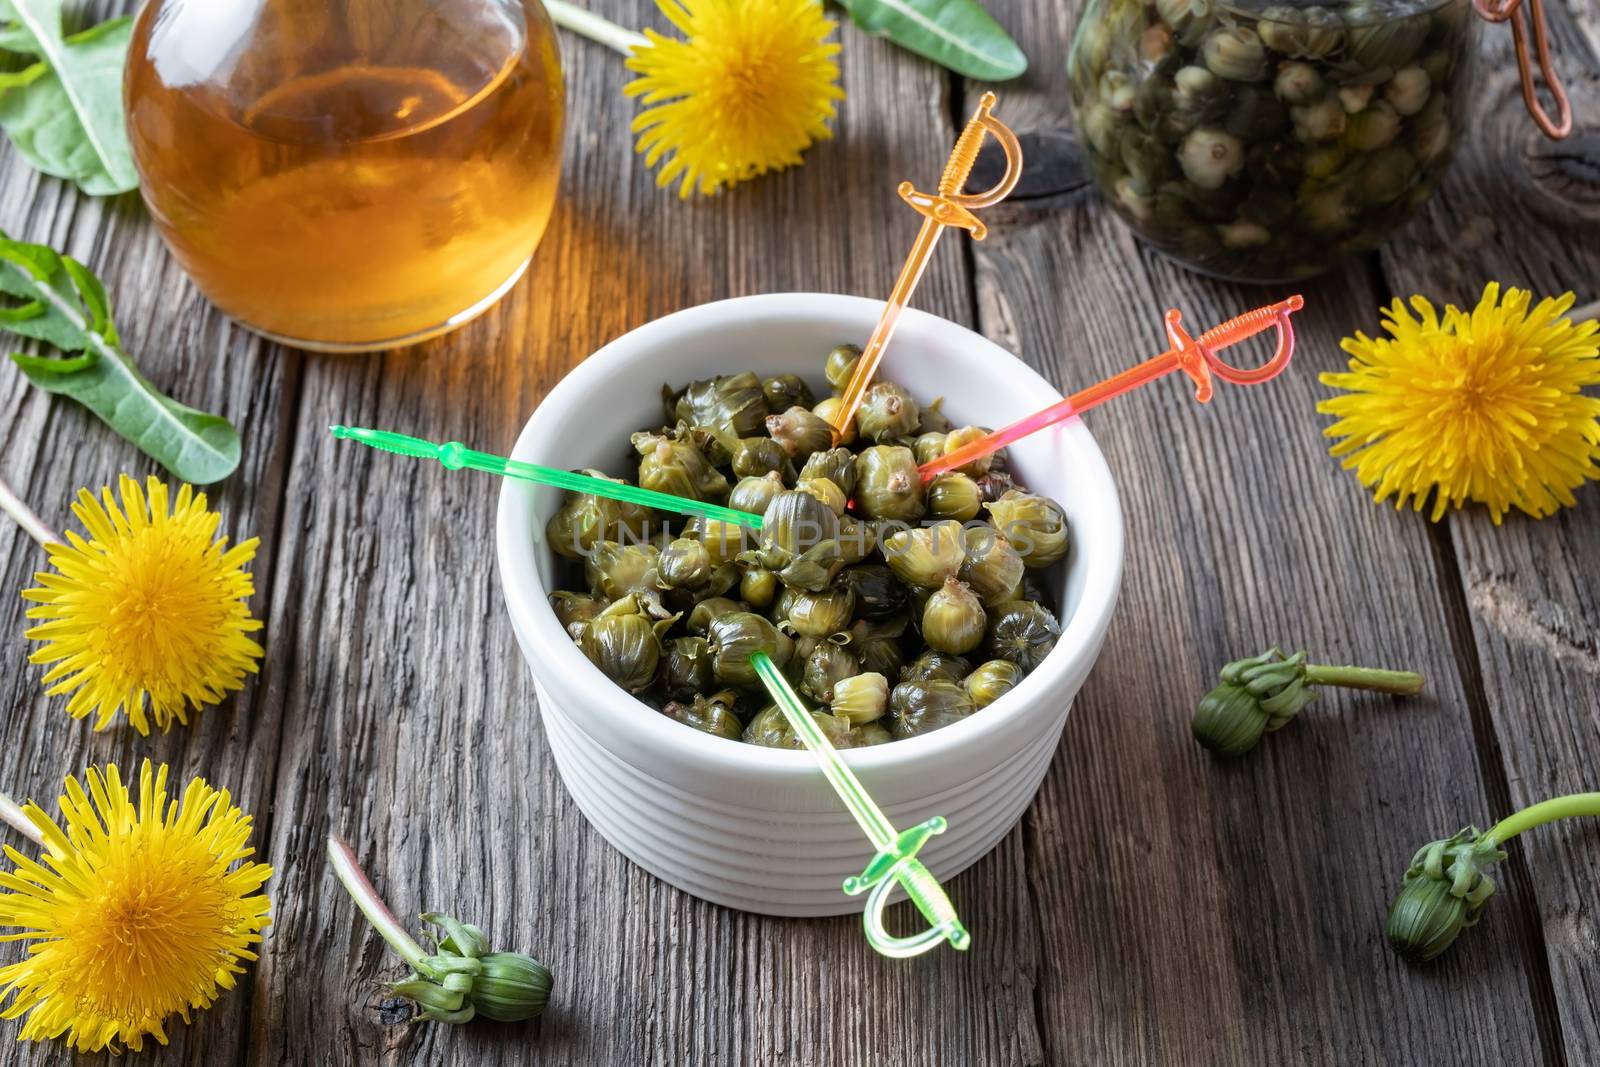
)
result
[(896, 861), (456, 456)]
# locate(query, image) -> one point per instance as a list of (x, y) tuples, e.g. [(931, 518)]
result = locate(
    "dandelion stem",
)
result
[(355, 882), (18, 820), (592, 26), (31, 524), (1546, 811), (1405, 683)]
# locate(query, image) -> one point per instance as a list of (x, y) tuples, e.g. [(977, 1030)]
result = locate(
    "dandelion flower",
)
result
[(140, 909), (149, 616), (1483, 405), (750, 89)]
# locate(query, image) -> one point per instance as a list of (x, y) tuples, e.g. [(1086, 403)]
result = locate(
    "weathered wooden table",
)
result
[(1154, 906)]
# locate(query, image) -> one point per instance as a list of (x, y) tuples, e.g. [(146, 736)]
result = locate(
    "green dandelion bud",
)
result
[(462, 978), (1264, 693), (1443, 893), (1445, 889)]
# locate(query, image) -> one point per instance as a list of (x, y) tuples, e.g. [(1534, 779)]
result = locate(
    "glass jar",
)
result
[(1261, 141), (347, 175)]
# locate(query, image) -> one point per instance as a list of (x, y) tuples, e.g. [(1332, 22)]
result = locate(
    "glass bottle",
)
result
[(1261, 141), (347, 175)]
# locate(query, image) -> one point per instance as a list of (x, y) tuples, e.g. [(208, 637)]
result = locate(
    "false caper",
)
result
[(826, 666), (756, 456), (990, 681), (700, 616), (822, 613), (828, 411), (584, 521), (856, 540), (733, 404), (954, 620), (794, 523), (1320, 120), (888, 485), (887, 413), (961, 438), (710, 715), (1035, 525), (615, 570), (683, 564), (1373, 128), (992, 567), (686, 667), (1286, 30), (995, 485), (753, 494), (1198, 95), (1297, 83), (677, 467), (1407, 91), (736, 637), (919, 707), (928, 446), (1235, 53), (932, 664), (824, 490), (1023, 632), (786, 391), (814, 569), (577, 608), (758, 587), (837, 465), (876, 643), (724, 579), (1209, 157), (868, 734), (926, 556), (800, 432), (625, 648), (953, 495), (841, 366), (770, 729), (1355, 98), (878, 594), (861, 698), (723, 540)]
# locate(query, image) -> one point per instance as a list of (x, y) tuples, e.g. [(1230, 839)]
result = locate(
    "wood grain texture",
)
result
[(1529, 607), (1153, 907)]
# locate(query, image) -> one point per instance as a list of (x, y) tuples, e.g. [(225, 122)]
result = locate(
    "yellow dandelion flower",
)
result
[(150, 614), (138, 910), (1483, 405), (750, 89)]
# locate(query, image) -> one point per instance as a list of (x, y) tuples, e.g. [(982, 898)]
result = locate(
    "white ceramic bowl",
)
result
[(755, 828)]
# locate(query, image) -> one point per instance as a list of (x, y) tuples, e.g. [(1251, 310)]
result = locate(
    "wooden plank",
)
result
[(409, 721), (1526, 211), (1193, 911), (53, 447)]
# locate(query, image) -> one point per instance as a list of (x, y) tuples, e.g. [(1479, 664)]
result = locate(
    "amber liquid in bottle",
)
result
[(347, 175)]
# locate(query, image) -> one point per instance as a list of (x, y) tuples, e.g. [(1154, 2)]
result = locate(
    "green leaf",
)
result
[(64, 113), (60, 303), (958, 34)]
